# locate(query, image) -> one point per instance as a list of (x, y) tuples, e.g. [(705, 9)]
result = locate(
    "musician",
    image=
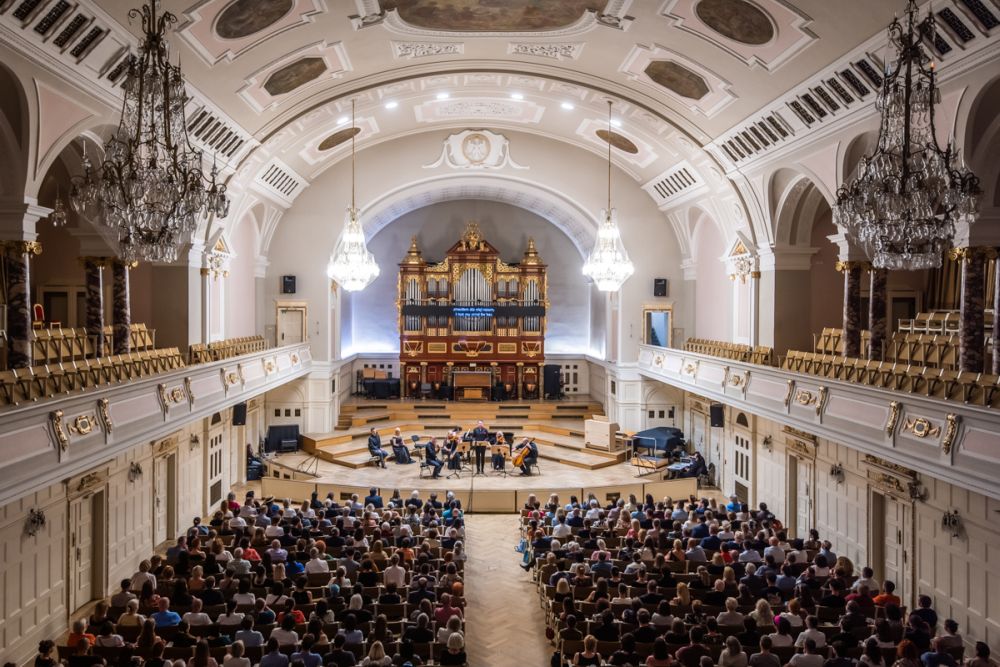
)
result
[(399, 450), (431, 458), (375, 447), (498, 462), (480, 436), (451, 453), (530, 456)]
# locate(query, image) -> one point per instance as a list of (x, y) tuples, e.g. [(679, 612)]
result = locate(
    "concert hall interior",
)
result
[(551, 322)]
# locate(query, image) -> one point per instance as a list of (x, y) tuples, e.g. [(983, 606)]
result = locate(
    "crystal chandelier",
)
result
[(608, 264), (150, 188), (910, 193), (352, 265)]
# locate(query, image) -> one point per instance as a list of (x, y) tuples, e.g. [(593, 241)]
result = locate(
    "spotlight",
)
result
[(516, 96), (342, 120), (568, 106), (443, 96), (616, 122), (391, 105)]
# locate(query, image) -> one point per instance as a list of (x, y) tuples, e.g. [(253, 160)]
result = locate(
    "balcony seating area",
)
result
[(23, 385), (942, 383), (61, 345), (199, 353), (737, 352), (938, 322)]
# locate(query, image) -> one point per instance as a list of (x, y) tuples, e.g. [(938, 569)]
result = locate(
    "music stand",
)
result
[(503, 451), (480, 445)]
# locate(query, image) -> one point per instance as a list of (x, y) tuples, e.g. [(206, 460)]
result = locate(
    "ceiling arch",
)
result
[(558, 208)]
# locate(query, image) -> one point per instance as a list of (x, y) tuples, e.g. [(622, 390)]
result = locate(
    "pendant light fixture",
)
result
[(608, 264), (352, 265)]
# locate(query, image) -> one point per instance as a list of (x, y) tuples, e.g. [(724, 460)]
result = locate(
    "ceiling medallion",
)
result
[(738, 20), (619, 141), (242, 18)]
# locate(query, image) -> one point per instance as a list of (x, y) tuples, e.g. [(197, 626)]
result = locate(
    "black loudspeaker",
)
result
[(659, 287), (717, 414), (288, 284), (551, 376), (240, 414)]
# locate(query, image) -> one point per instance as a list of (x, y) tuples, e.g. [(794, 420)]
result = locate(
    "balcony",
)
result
[(47, 440), (950, 440)]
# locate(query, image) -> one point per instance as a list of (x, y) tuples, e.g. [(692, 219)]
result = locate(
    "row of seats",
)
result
[(200, 353), (735, 351), (831, 341), (969, 387), (22, 385), (939, 322), (59, 344)]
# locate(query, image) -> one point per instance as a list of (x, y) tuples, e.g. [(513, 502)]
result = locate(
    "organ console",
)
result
[(472, 325)]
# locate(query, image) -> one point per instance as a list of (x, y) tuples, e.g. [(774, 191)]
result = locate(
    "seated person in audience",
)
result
[(660, 656), (570, 632), (845, 637), (626, 654), (285, 633), (262, 613), (888, 595), (950, 638), (391, 594), (733, 655), (646, 633), (764, 657), (839, 658), (120, 599), (305, 654), (982, 658), (131, 618), (422, 592), (235, 658), (730, 617), (854, 617), (274, 657), (812, 632), (420, 633), (835, 598), (446, 610), (809, 657), (783, 634), (652, 594), (863, 599), (107, 638), (938, 656), (867, 578), (588, 657), (717, 596), (678, 633), (251, 638), (338, 655), (454, 653), (83, 656), (690, 655), (147, 636), (871, 654), (78, 632), (400, 452), (317, 564), (291, 611), (445, 630), (182, 637), (606, 629), (375, 447), (164, 617)]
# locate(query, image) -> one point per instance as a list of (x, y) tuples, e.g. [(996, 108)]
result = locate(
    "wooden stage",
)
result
[(338, 461)]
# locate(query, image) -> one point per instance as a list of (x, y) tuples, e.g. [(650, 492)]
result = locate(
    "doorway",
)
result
[(891, 540), (291, 324), (800, 496), (88, 549), (164, 499)]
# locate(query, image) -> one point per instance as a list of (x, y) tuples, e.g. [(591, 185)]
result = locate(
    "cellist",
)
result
[(525, 456)]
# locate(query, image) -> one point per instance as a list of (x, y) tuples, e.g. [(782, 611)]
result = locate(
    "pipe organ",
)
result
[(472, 326)]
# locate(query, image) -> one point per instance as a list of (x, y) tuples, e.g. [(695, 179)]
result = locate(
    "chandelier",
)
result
[(150, 187), (910, 193), (352, 265), (608, 264)]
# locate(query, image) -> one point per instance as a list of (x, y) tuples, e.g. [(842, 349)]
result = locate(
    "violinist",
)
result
[(451, 453), (498, 462), (525, 456), (399, 450)]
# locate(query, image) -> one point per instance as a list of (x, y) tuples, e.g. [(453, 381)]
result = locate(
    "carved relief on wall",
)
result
[(475, 149)]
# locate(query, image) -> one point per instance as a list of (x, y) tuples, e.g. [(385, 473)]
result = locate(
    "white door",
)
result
[(803, 498), (81, 521), (160, 500), (897, 541), (291, 324)]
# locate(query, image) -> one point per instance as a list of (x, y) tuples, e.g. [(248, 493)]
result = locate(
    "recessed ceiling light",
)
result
[(392, 104), (516, 96), (568, 106), (443, 96), (342, 120), (616, 122)]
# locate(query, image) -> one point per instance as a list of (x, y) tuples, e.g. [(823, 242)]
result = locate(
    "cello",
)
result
[(523, 450)]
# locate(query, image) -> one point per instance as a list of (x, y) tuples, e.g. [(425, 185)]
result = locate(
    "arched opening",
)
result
[(713, 291)]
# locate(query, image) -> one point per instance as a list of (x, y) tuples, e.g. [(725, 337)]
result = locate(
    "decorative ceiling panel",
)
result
[(688, 82), (298, 72)]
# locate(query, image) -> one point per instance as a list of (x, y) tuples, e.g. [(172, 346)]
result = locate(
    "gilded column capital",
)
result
[(973, 253), (843, 266), (22, 247), (99, 262)]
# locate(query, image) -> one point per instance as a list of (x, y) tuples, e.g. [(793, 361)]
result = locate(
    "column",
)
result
[(206, 305), (852, 307), (996, 318), (973, 307), (17, 255), (754, 308), (876, 313), (121, 313), (93, 269)]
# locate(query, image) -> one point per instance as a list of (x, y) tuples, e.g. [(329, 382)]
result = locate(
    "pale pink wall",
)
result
[(713, 289), (240, 299), (826, 286)]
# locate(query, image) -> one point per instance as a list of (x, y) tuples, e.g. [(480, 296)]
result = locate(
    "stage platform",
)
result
[(339, 461)]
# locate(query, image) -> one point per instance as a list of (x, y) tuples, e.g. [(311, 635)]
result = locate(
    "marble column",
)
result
[(876, 313), (973, 307), (93, 269), (852, 307), (17, 256), (121, 308), (996, 318)]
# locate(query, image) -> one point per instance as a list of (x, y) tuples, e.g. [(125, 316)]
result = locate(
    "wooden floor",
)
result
[(505, 623)]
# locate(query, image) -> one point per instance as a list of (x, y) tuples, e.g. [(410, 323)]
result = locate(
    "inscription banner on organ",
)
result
[(472, 313)]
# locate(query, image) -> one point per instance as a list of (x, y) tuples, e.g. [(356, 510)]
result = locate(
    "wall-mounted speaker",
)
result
[(717, 415), (240, 414), (288, 284), (659, 287)]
